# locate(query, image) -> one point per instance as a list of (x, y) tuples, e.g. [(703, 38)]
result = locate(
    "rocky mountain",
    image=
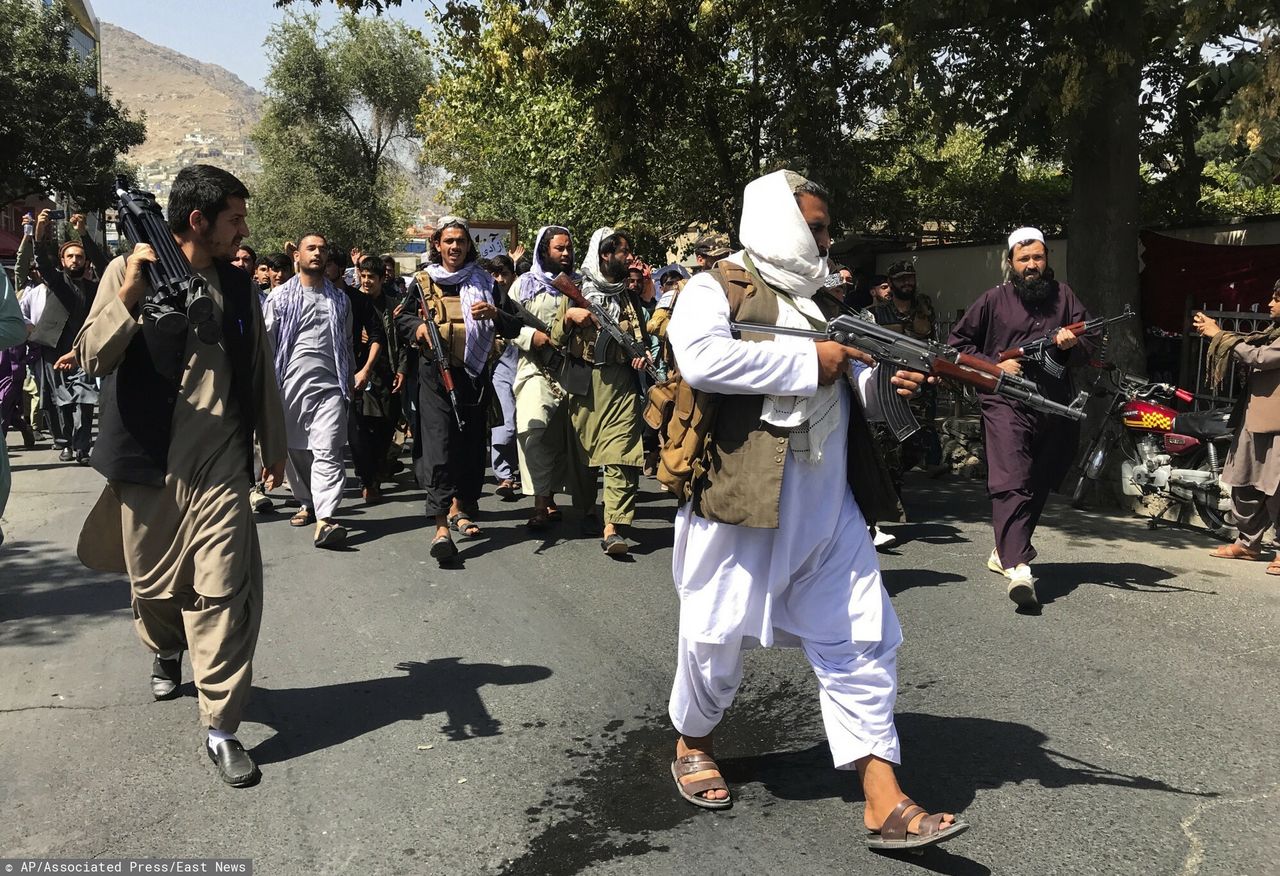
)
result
[(194, 110)]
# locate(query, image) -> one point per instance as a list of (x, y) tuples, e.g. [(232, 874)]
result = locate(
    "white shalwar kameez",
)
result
[(814, 582), (315, 410)]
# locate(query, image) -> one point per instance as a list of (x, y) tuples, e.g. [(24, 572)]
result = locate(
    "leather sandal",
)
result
[(1274, 568), (1234, 551), (302, 518), (539, 521), (462, 524), (443, 548), (893, 834), (703, 775)]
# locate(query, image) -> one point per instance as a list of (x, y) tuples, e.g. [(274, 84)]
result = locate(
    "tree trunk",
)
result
[(1102, 258)]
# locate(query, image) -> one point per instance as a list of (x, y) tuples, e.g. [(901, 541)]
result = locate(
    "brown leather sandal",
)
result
[(703, 775), (893, 834), (1274, 568), (1234, 551), (302, 518)]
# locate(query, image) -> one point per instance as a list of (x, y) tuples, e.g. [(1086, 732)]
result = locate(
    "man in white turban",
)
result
[(1028, 452), (773, 546)]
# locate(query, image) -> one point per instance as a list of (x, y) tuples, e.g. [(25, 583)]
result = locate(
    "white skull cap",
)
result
[(1025, 235)]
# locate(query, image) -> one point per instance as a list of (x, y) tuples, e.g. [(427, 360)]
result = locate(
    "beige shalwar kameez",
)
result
[(190, 548), (543, 429)]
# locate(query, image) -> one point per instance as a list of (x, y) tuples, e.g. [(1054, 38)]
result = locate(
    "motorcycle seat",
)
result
[(1205, 425)]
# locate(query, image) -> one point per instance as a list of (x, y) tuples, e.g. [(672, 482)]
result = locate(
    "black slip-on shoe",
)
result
[(67, 455), (235, 766), (166, 675)]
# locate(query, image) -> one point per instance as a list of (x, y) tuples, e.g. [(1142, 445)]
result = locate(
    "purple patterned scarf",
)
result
[(475, 285), (286, 306), (538, 279)]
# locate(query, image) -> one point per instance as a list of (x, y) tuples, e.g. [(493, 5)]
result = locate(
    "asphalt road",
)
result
[(508, 716)]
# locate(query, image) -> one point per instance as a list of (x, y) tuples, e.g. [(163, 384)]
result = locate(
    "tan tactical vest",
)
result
[(449, 318), (740, 479)]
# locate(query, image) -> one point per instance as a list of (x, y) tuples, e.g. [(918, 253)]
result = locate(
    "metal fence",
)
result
[(954, 399), (1194, 376)]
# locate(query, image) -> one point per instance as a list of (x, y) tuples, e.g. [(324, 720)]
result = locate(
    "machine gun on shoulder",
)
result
[(179, 296), (890, 348)]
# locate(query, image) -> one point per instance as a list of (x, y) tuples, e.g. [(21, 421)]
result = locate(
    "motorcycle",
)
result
[(1165, 453)]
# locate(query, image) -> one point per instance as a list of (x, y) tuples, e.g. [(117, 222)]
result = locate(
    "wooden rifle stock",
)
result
[(967, 371)]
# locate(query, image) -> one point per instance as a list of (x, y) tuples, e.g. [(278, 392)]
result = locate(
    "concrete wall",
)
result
[(954, 276)]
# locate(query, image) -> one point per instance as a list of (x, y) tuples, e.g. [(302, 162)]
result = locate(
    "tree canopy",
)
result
[(61, 131), (340, 102)]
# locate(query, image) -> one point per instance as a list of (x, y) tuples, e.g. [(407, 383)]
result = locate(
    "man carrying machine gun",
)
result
[(180, 403), (1028, 453)]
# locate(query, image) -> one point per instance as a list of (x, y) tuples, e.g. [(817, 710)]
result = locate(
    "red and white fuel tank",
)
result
[(1145, 416)]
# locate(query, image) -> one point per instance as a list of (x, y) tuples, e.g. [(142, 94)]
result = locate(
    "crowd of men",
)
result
[(536, 368)]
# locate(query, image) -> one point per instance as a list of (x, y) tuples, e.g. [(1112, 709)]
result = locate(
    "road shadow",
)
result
[(967, 500), (978, 753), (897, 580), (36, 466), (311, 719), (1056, 580), (44, 591), (929, 533)]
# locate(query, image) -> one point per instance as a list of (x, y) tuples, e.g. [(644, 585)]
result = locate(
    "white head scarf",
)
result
[(591, 261), (775, 235)]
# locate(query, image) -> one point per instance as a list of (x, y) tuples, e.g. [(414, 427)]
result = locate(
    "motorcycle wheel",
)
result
[(1214, 520), (1082, 485), (1077, 495)]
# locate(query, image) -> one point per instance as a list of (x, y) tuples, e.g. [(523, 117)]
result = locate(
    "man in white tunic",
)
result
[(773, 547), (309, 322)]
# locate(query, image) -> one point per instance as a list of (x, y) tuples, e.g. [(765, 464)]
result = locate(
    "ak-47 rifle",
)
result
[(609, 328), (1037, 349), (899, 351), (441, 354), (571, 374)]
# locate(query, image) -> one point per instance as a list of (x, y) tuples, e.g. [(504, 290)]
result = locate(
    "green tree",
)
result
[(340, 104), (61, 133), (1092, 82)]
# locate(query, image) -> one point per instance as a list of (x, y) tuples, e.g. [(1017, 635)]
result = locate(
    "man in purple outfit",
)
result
[(1028, 453)]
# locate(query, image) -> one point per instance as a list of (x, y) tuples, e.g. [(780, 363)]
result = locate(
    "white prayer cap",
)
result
[(1025, 235)]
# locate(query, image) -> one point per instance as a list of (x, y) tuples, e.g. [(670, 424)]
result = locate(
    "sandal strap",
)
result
[(695, 763), (895, 826), (930, 824), (702, 786)]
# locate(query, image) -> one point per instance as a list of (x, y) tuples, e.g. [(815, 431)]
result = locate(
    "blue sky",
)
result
[(224, 32)]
